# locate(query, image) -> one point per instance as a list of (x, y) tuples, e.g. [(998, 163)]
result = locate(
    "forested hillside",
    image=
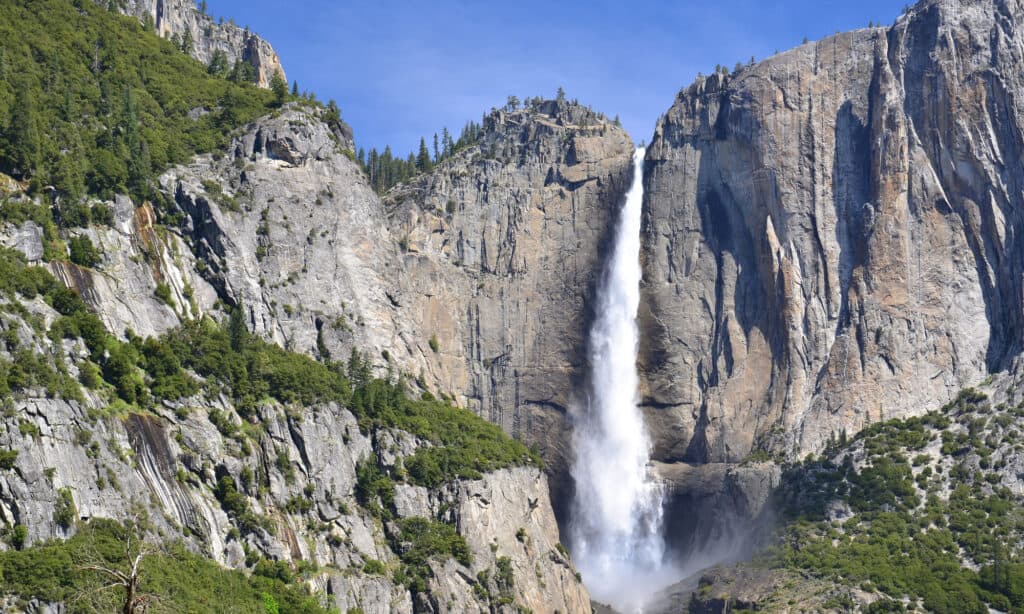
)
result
[(199, 466), (90, 103)]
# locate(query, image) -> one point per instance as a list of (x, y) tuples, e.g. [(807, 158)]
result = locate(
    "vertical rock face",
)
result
[(830, 235), (502, 249), (178, 17), (473, 276), (138, 256), (287, 226)]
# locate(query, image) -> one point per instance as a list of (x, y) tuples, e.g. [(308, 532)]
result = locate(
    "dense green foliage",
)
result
[(418, 540), (913, 520), (91, 103), (250, 369), (83, 252), (182, 581)]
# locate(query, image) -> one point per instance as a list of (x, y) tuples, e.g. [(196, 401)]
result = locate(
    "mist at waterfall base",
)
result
[(616, 525)]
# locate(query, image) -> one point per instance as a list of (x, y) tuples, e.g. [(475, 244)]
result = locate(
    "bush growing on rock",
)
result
[(83, 252)]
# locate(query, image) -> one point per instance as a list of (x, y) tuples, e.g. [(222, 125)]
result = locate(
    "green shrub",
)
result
[(297, 504), (8, 458), (419, 539), (64, 510), (28, 429), (374, 567), (236, 504), (374, 490), (89, 375), (163, 292), (19, 535), (83, 252), (181, 580), (504, 577), (270, 605)]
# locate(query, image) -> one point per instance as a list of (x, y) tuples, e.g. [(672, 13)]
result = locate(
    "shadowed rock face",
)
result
[(503, 247), (830, 235)]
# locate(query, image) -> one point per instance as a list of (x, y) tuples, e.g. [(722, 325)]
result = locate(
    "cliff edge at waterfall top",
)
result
[(374, 335)]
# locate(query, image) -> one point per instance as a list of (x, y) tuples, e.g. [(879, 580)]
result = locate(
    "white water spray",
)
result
[(617, 513)]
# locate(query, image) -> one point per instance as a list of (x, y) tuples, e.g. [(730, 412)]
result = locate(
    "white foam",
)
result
[(616, 526)]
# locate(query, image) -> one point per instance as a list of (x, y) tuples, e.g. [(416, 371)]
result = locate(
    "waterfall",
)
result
[(617, 511)]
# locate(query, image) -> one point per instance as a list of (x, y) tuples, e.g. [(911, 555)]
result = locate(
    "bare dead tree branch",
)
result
[(125, 577)]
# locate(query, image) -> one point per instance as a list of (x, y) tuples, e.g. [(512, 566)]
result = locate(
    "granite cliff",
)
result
[(828, 242), (250, 230), (182, 20), (502, 248), (830, 235)]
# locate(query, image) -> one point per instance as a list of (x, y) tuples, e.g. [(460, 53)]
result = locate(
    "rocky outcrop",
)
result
[(502, 248), (181, 19), (719, 509), (461, 278), (138, 256), (287, 226), (298, 477), (830, 235)]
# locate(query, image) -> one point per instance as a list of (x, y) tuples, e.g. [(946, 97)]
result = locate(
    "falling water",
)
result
[(616, 523)]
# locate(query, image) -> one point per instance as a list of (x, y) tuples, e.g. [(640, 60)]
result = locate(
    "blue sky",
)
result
[(404, 69)]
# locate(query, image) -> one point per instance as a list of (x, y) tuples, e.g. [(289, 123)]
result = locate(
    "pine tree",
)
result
[(422, 162), (446, 143), (560, 96), (187, 44), (238, 333), (139, 167), (358, 369), (25, 131), (386, 161), (280, 88), (69, 173), (218, 64), (404, 171), (295, 89)]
